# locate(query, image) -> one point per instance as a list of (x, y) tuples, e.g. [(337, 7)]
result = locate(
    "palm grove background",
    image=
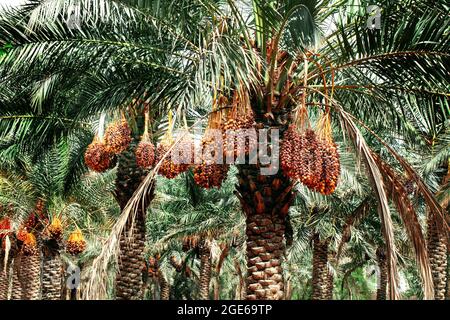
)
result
[(382, 234)]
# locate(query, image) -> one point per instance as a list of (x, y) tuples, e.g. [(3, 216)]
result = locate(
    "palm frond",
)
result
[(380, 192)]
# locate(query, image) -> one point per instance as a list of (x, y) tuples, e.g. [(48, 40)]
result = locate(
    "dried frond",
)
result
[(376, 180), (399, 196), (430, 199)]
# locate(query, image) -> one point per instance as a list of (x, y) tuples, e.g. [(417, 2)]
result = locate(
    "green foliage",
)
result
[(357, 286), (4, 49)]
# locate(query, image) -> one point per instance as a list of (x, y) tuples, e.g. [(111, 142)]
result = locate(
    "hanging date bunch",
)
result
[(331, 168), (118, 136), (293, 141), (212, 170), (169, 167), (29, 246), (145, 151), (54, 229), (300, 155), (239, 135), (308, 157), (76, 243), (98, 157)]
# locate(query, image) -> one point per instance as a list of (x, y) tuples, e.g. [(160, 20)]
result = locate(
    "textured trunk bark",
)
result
[(30, 276), (4, 277), (205, 270), (330, 278), (330, 286), (382, 274), (437, 253), (321, 273), (164, 286), (4, 285), (265, 200), (16, 290), (52, 274), (129, 281), (447, 294), (129, 277)]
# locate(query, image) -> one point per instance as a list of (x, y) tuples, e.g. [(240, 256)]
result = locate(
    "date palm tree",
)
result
[(45, 180), (278, 52), (435, 136), (80, 204)]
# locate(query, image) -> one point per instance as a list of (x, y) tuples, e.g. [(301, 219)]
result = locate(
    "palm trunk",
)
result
[(330, 278), (265, 200), (4, 277), (445, 203), (4, 285), (321, 273), (447, 294), (437, 253), (164, 286), (129, 281), (205, 270), (382, 273), (16, 290), (30, 276), (330, 286), (52, 274), (129, 277)]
